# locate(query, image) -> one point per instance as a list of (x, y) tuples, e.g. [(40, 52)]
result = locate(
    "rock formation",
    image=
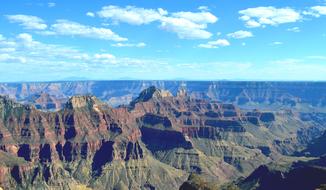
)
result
[(155, 142)]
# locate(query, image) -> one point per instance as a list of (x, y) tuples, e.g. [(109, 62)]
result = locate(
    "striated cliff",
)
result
[(155, 142)]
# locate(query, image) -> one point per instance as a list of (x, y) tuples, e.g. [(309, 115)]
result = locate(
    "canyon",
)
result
[(157, 134)]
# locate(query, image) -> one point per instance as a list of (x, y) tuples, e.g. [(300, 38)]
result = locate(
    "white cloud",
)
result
[(203, 8), (184, 28), (65, 27), (316, 11), (28, 21), (199, 18), (262, 16), (294, 29), (29, 50), (26, 40), (131, 14), (187, 25), (25, 37), (252, 24), (34, 54), (50, 61), (320, 9), (138, 45), (215, 44), (90, 14), (104, 56), (11, 59), (51, 4), (1, 37), (240, 34), (6, 50)]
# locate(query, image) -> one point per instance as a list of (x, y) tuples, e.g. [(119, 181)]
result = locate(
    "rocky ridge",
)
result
[(264, 95)]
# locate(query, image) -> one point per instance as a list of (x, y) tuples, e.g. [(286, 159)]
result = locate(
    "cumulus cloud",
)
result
[(184, 28), (131, 15), (316, 11), (215, 44), (262, 16), (240, 34), (66, 27), (26, 40), (321, 10), (199, 17), (28, 21), (138, 45), (187, 25)]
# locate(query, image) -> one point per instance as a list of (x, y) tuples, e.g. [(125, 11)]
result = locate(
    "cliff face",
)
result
[(316, 147), (293, 177), (154, 143)]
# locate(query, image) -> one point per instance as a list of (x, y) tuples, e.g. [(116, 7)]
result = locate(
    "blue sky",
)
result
[(162, 39)]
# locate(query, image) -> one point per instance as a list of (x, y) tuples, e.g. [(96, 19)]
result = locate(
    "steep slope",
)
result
[(75, 145), (155, 142), (196, 182), (300, 176), (309, 174), (316, 148), (217, 130)]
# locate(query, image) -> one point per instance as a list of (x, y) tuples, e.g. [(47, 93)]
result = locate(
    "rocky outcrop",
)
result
[(150, 93)]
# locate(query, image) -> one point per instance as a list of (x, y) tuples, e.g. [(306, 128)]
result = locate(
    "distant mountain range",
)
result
[(243, 94)]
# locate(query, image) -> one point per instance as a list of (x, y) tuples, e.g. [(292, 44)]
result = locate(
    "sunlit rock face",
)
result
[(154, 142)]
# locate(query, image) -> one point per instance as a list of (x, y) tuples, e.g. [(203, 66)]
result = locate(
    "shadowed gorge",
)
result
[(102, 156)]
